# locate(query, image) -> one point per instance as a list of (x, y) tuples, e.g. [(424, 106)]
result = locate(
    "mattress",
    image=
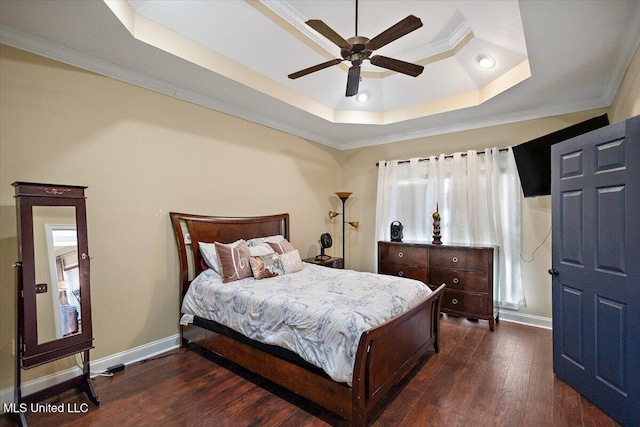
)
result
[(318, 313)]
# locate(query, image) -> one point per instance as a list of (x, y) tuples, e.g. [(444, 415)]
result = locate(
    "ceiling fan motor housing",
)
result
[(359, 50), (358, 43)]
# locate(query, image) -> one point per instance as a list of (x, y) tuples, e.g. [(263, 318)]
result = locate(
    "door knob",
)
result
[(554, 271)]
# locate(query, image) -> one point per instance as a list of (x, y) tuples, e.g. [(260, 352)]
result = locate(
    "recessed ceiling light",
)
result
[(363, 96), (486, 61)]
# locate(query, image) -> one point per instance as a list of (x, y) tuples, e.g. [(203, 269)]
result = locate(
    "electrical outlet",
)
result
[(41, 288)]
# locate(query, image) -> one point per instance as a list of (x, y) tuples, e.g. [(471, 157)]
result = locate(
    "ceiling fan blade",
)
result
[(403, 67), (353, 80), (314, 68), (404, 27), (328, 32)]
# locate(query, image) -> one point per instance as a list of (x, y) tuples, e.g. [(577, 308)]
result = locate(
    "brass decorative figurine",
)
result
[(436, 227)]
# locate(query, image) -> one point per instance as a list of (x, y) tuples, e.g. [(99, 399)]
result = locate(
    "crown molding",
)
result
[(56, 52), (495, 120)]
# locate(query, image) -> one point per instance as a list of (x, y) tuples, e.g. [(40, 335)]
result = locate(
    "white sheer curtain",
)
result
[(479, 199)]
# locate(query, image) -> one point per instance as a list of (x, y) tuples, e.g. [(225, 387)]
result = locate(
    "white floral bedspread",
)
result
[(319, 312)]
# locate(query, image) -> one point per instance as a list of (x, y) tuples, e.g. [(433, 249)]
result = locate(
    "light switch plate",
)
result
[(41, 288)]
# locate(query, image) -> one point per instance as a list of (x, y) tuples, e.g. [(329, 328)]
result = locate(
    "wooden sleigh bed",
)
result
[(385, 355)]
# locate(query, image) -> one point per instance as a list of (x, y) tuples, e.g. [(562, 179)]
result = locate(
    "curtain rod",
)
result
[(448, 156)]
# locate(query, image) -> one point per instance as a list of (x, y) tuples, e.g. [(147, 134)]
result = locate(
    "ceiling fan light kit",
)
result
[(363, 96), (358, 49)]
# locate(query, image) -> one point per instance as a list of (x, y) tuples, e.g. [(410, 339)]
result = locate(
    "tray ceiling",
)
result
[(551, 57)]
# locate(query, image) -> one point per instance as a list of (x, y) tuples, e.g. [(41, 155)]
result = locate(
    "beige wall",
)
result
[(142, 155)]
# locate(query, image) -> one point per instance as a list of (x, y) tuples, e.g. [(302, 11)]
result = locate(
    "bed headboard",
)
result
[(190, 229)]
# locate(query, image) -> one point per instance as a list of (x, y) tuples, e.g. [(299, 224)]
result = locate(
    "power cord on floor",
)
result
[(102, 374), (120, 367), (80, 362)]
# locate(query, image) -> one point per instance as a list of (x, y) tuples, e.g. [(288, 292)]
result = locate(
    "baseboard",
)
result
[(145, 351), (525, 319), (136, 354)]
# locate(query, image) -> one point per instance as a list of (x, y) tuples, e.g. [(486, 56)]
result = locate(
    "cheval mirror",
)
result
[(52, 276)]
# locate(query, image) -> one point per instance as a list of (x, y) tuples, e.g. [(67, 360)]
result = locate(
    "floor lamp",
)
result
[(343, 195)]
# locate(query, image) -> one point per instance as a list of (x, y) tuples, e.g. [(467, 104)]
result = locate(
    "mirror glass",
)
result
[(57, 273)]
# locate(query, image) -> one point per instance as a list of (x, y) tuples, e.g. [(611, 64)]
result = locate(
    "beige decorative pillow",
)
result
[(291, 262), (266, 266), (282, 247), (234, 261)]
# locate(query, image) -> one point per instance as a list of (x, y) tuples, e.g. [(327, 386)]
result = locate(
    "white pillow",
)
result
[(291, 262), (208, 252), (260, 240), (261, 250)]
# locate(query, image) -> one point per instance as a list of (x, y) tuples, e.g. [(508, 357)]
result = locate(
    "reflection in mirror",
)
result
[(56, 266), (63, 249)]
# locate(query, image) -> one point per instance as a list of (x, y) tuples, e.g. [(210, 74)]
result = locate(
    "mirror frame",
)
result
[(27, 196)]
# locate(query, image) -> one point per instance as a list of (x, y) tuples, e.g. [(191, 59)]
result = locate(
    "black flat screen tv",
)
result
[(533, 158)]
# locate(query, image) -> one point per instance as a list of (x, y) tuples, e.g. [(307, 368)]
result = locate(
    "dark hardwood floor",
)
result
[(479, 378)]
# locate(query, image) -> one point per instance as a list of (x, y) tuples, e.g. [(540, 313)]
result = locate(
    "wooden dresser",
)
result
[(466, 270)]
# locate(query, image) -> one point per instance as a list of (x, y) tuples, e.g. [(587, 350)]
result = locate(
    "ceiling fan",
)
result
[(357, 49)]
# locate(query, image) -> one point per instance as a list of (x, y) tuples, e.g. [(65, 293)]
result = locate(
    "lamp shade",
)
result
[(343, 195)]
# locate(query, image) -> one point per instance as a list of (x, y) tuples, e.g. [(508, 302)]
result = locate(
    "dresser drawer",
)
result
[(460, 259), (401, 270), (403, 254), (470, 281), (466, 303)]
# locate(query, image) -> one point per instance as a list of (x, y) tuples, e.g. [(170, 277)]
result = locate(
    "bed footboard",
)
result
[(388, 352), (385, 356)]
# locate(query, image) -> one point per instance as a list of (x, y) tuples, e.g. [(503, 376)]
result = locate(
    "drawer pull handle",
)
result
[(455, 259), (400, 273), (454, 301), (400, 254), (455, 280)]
